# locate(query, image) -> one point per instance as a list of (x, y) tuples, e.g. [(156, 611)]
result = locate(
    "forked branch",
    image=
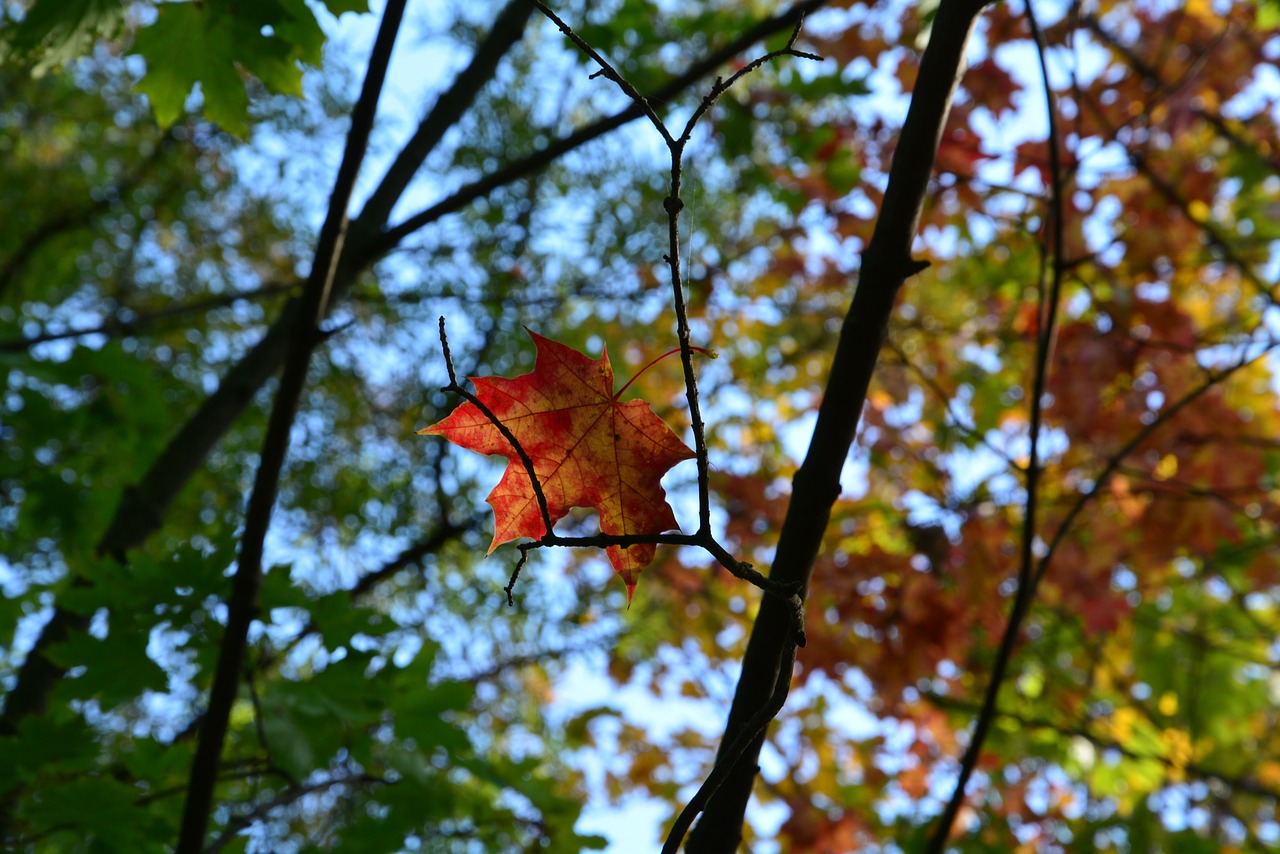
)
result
[(702, 539), (787, 592)]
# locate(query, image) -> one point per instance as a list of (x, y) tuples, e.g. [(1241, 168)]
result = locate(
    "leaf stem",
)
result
[(711, 354)]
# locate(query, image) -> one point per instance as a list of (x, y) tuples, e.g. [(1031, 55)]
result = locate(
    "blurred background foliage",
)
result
[(392, 700)]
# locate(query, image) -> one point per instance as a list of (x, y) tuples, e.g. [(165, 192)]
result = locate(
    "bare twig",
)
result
[(142, 320), (607, 71), (723, 85), (1045, 335), (944, 398), (703, 538), (288, 796), (525, 459), (673, 205), (260, 727)]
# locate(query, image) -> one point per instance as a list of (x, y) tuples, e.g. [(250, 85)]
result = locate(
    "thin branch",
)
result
[(723, 85), (140, 321), (1213, 235), (932, 384), (673, 205), (243, 604), (380, 244), (284, 799), (605, 641), (1113, 464), (506, 32), (607, 71), (260, 728), (455, 387), (1237, 140), (412, 555), (1045, 336), (248, 772), (1242, 784)]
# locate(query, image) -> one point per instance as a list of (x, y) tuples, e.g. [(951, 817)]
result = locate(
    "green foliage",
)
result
[(205, 43), (390, 698), (53, 32)]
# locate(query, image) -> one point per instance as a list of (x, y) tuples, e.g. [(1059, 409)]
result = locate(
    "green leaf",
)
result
[(45, 743), (102, 810), (184, 48), (117, 667), (338, 7), (290, 747), (209, 44), (56, 31), (1269, 14), (338, 620)]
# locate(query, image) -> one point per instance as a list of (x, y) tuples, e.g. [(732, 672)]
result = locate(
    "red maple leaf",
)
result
[(587, 448)]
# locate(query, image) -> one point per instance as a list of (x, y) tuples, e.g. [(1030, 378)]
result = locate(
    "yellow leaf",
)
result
[(1199, 211), (1178, 751), (1166, 468), (1202, 9), (1269, 774), (1121, 724)]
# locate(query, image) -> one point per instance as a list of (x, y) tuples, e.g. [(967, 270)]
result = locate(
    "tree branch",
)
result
[(243, 604), (142, 508), (1243, 784), (289, 796), (506, 32), (141, 320), (1048, 314), (886, 264), (379, 245), (608, 71)]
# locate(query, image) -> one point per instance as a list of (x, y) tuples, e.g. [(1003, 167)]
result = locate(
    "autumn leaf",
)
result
[(588, 450)]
